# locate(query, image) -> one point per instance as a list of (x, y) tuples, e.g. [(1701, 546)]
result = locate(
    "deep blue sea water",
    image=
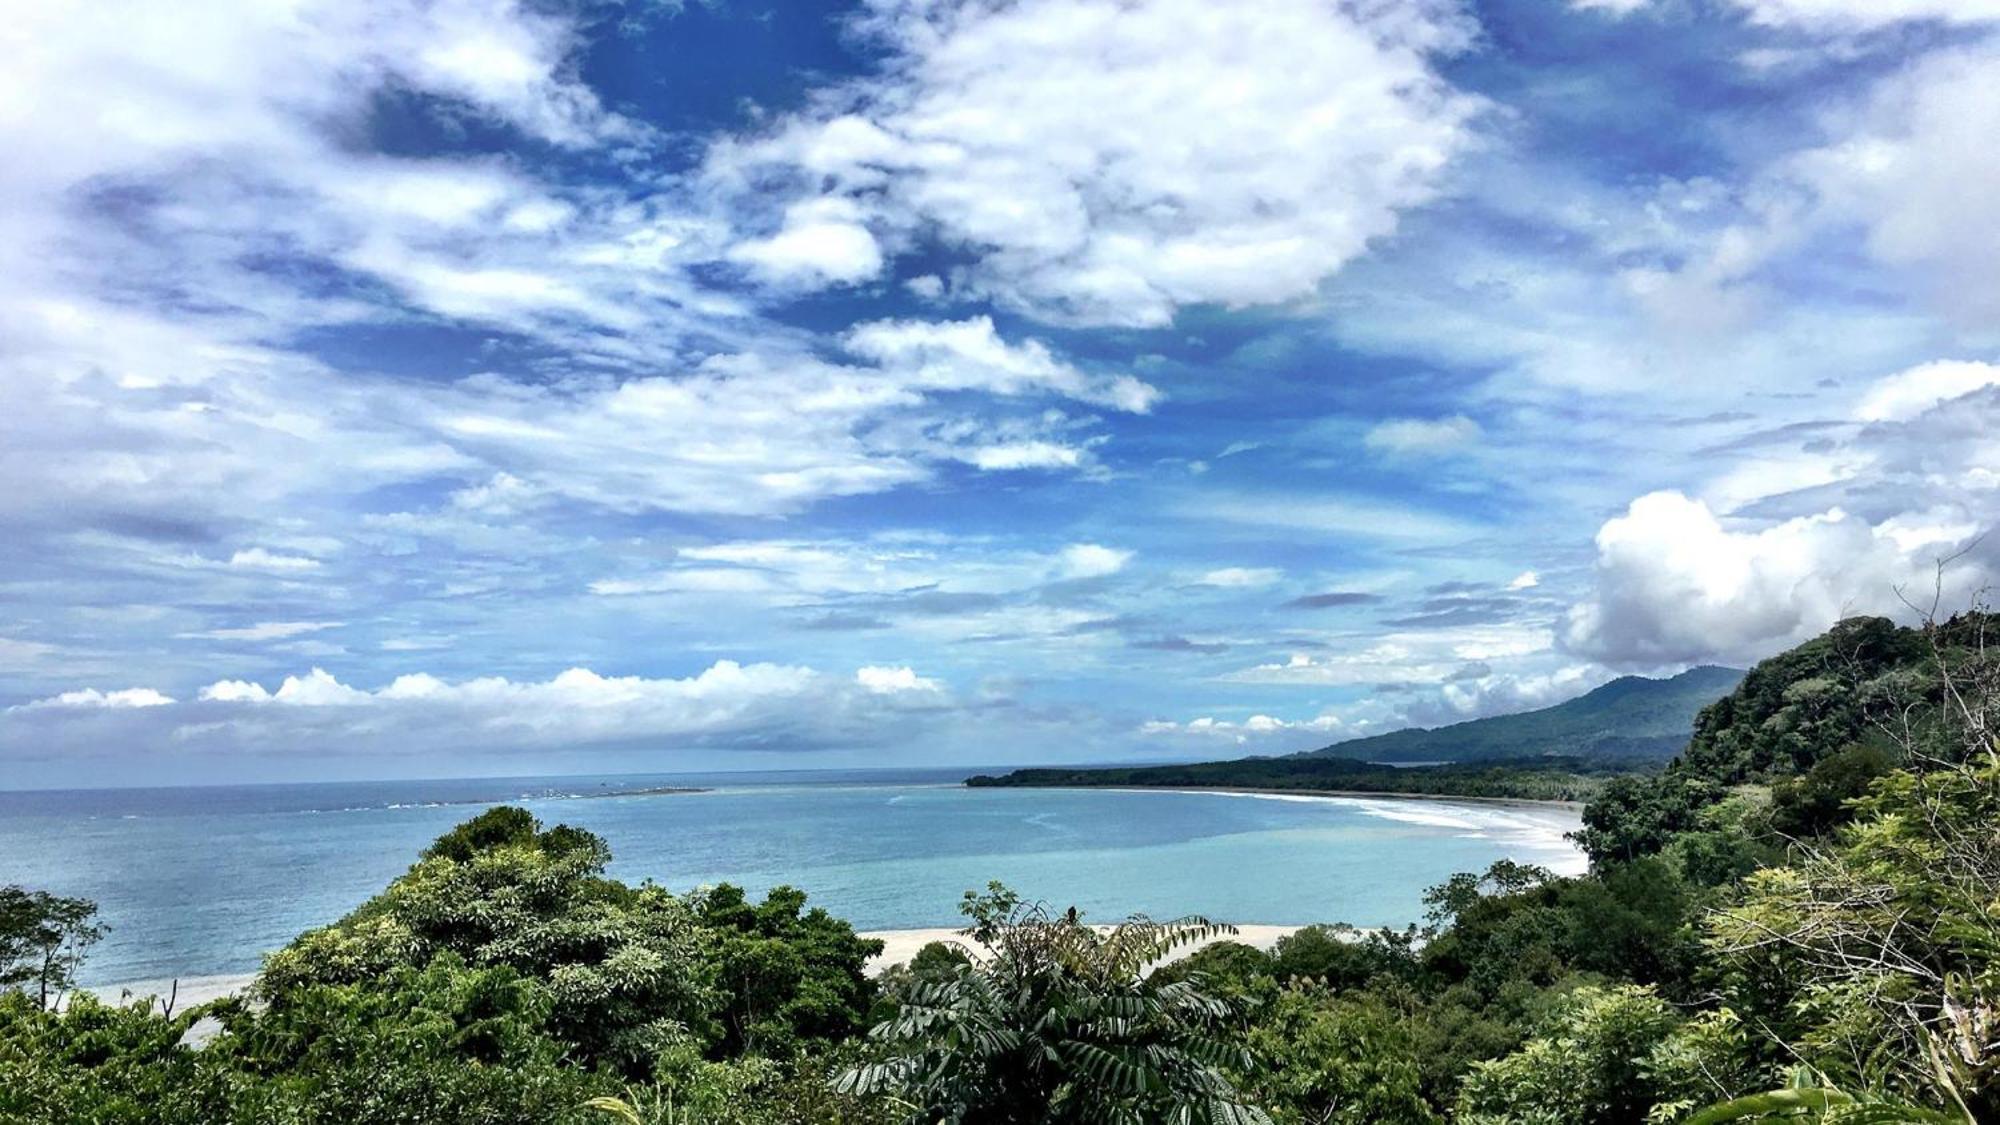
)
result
[(201, 881)]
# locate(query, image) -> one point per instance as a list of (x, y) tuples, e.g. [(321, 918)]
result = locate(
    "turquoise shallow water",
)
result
[(200, 881)]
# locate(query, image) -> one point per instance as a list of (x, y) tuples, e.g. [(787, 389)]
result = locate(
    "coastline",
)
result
[(898, 946), (1361, 794)]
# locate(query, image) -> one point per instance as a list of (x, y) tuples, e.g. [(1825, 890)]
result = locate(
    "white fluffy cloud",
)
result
[(1675, 585), (894, 681), (970, 355), (726, 705), (94, 698), (821, 241), (1111, 161), (1790, 536), (1255, 728), (257, 558)]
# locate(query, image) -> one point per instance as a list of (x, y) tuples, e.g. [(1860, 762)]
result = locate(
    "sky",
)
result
[(392, 388)]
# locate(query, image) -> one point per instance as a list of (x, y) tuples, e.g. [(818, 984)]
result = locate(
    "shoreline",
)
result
[(1361, 794), (898, 946)]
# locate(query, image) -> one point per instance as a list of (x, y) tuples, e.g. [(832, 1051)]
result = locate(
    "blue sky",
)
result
[(403, 389)]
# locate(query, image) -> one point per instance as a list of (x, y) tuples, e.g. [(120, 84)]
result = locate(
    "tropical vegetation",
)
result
[(1797, 919)]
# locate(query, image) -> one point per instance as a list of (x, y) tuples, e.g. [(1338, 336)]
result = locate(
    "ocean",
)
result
[(201, 881)]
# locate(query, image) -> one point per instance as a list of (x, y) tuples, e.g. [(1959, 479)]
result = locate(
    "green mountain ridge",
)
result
[(1631, 717), (1559, 753)]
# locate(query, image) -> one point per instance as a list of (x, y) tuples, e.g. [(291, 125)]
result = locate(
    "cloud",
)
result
[(266, 631), (1245, 731), (1230, 153), (93, 698), (1674, 585), (1857, 15), (1241, 577), (1404, 657), (1178, 643), (257, 558), (822, 241), (726, 705), (894, 681), (1526, 580), (1832, 15), (1089, 560), (895, 567), (1907, 394), (1789, 536), (1014, 456), (970, 355), (1362, 517), (1333, 599), (1422, 437), (1907, 172)]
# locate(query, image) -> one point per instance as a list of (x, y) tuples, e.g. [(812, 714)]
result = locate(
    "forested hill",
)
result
[(1630, 717), (1557, 753)]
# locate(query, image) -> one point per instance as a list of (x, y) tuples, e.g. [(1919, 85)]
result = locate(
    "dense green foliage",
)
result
[(1797, 920), (1816, 724), (501, 979), (1056, 1021)]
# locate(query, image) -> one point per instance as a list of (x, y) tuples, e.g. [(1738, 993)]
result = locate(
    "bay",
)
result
[(201, 881)]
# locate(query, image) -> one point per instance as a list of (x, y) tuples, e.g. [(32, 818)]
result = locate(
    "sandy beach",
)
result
[(1360, 794), (898, 946)]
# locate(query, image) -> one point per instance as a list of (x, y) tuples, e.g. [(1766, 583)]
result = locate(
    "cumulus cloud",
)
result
[(726, 705), (1233, 153), (1675, 585), (93, 698), (970, 355), (1419, 437), (821, 241), (894, 681), (1789, 537), (1255, 728)]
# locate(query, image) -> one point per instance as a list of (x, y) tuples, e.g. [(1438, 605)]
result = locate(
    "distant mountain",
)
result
[(1563, 752), (1630, 717)]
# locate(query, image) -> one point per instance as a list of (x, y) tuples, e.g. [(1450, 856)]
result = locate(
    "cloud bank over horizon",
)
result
[(429, 383)]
